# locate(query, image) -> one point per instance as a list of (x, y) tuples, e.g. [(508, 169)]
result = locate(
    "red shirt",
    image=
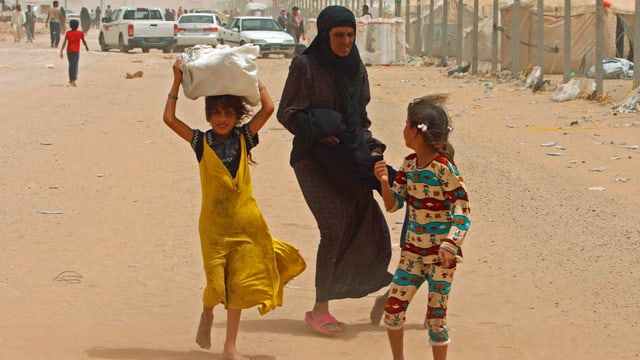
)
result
[(73, 38)]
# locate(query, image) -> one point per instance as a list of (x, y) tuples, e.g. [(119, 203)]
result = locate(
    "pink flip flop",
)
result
[(317, 323)]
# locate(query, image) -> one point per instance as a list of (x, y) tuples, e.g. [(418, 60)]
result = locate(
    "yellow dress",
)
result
[(244, 265)]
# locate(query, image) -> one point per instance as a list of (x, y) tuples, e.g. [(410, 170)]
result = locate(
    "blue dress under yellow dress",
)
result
[(244, 265)]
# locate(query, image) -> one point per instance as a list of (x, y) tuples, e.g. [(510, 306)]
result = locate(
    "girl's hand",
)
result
[(447, 259), (382, 174), (61, 57), (177, 73)]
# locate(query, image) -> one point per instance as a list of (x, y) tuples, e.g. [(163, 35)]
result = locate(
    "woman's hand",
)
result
[(381, 171)]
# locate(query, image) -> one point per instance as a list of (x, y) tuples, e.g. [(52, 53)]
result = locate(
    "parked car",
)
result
[(137, 27), (222, 16), (71, 15), (197, 29), (259, 30)]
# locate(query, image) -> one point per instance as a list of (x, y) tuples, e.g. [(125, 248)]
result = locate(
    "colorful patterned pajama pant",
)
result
[(409, 276)]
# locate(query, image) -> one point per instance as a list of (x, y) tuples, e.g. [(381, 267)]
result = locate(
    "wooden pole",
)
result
[(494, 36), (566, 72), (476, 29), (599, 40), (419, 28), (516, 37), (445, 20), (460, 30), (407, 16), (540, 35), (636, 46), (431, 27)]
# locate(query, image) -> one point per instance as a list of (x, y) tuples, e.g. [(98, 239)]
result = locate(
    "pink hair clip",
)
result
[(423, 127)]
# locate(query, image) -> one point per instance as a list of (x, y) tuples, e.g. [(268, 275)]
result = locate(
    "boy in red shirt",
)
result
[(73, 37)]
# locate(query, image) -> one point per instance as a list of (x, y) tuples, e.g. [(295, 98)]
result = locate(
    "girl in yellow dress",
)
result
[(244, 265)]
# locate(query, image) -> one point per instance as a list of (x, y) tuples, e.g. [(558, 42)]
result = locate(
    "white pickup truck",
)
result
[(137, 27)]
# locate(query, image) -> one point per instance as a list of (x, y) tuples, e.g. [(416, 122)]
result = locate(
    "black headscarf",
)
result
[(334, 16), (347, 70)]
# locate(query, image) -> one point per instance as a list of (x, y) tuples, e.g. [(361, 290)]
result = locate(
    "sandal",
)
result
[(318, 323)]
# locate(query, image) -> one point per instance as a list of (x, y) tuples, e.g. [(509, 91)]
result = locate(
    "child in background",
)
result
[(73, 37), (244, 265), (438, 222)]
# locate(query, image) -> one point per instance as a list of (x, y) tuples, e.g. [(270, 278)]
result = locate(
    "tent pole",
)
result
[(636, 46), (567, 42), (599, 40)]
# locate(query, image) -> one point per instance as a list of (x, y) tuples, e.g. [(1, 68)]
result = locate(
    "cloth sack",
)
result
[(222, 70)]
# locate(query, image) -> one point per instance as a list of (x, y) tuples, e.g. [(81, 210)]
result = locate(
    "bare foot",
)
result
[(203, 337), (233, 355)]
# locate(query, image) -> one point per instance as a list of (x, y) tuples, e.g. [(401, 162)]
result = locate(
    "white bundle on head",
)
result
[(222, 70)]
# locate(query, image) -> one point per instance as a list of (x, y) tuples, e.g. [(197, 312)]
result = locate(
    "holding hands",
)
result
[(381, 172)]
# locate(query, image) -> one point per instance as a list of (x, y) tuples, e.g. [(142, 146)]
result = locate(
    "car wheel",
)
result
[(221, 41), (145, 50), (167, 49), (121, 46), (103, 46)]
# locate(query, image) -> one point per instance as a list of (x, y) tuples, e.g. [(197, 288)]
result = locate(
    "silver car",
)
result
[(197, 29), (258, 30)]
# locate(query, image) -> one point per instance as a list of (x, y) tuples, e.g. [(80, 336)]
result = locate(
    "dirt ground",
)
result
[(99, 250)]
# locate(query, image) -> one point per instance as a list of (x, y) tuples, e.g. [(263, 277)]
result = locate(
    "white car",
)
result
[(197, 29), (258, 30)]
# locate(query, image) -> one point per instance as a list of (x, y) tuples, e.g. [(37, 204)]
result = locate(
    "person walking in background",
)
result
[(366, 15), (73, 38), (282, 18), (54, 20), (324, 105), (244, 265), (18, 21), (98, 16), (438, 222), (295, 25), (30, 23), (108, 12), (85, 20), (168, 15), (63, 20)]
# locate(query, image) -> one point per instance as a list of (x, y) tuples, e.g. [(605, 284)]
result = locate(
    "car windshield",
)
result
[(260, 24), (208, 19)]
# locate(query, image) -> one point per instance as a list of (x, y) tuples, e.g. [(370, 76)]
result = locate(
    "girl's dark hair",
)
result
[(234, 102), (428, 116)]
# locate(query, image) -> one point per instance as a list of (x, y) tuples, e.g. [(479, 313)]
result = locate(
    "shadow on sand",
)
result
[(280, 326), (159, 354)]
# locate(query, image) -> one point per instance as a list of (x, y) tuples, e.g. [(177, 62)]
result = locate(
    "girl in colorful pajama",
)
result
[(430, 183)]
